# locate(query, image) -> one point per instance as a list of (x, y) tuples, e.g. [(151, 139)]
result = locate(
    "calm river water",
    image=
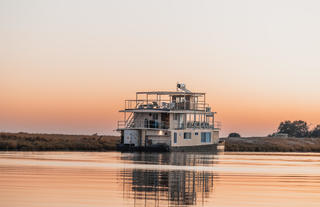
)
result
[(76, 179)]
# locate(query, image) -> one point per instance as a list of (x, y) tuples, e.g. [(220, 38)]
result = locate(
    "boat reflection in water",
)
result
[(148, 187), (100, 179)]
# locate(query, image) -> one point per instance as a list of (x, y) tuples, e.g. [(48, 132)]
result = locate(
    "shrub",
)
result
[(234, 134)]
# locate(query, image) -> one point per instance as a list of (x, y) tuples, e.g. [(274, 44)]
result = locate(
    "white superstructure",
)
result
[(173, 120)]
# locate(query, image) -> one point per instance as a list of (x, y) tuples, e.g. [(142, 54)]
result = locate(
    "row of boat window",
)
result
[(205, 136)]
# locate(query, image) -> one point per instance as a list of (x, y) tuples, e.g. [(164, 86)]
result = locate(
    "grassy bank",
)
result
[(56, 142), (61, 142), (272, 144)]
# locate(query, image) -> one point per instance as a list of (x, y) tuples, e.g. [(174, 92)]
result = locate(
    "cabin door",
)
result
[(164, 120)]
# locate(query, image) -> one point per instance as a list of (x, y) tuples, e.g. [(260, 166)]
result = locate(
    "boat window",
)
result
[(175, 137), (206, 137), (187, 135), (154, 116)]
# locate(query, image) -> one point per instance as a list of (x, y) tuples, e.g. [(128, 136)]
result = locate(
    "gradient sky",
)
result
[(67, 66)]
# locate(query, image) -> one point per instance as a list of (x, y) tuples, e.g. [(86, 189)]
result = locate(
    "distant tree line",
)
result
[(56, 142), (297, 128)]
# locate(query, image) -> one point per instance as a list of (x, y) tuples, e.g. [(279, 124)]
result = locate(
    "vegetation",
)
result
[(297, 128), (300, 139), (269, 144), (315, 132), (294, 129), (234, 134), (56, 142)]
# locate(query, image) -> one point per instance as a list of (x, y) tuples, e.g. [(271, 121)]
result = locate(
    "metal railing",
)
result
[(150, 124), (197, 125), (145, 124), (121, 124), (200, 125), (154, 124), (165, 105)]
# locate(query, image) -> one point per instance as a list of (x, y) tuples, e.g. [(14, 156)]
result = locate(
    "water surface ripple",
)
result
[(67, 179)]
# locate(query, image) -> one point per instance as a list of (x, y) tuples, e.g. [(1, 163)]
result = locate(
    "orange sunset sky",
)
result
[(68, 66)]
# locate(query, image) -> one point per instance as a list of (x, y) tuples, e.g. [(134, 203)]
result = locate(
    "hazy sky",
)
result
[(67, 66)]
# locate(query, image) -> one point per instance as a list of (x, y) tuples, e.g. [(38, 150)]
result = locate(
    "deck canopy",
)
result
[(171, 93), (167, 100)]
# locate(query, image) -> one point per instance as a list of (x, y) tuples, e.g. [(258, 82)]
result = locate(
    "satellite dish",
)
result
[(182, 87)]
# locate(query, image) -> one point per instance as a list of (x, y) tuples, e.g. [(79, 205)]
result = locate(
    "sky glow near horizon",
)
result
[(68, 66)]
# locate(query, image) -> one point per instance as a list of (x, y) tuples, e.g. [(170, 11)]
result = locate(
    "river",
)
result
[(100, 179)]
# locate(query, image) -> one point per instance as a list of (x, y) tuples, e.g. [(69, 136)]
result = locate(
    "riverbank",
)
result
[(272, 144), (56, 142), (62, 142)]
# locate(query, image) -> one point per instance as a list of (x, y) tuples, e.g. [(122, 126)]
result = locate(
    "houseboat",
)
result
[(178, 120)]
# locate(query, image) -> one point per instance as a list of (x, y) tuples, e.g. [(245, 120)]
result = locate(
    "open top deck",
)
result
[(167, 101)]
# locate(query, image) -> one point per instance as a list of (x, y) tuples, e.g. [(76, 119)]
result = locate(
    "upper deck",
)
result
[(168, 110), (167, 101)]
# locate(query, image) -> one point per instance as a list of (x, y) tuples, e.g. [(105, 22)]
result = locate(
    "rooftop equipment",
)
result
[(182, 87)]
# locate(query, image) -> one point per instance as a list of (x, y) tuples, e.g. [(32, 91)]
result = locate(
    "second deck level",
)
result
[(173, 121)]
